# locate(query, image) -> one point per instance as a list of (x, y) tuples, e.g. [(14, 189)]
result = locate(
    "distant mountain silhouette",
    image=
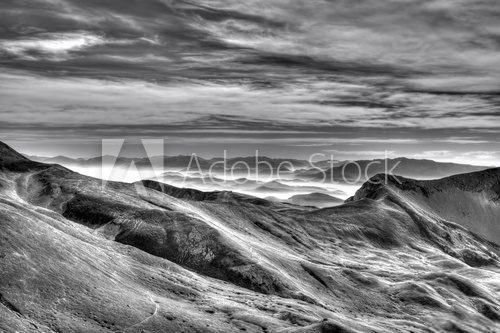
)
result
[(406, 167), (342, 171), (315, 199), (184, 162)]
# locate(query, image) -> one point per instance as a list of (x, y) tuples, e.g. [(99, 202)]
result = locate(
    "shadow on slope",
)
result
[(441, 207)]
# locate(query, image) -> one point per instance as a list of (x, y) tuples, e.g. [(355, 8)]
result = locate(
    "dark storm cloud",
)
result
[(360, 38)]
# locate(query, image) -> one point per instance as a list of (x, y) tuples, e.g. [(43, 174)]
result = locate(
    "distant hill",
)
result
[(178, 162), (352, 173), (406, 167), (315, 199), (183, 161)]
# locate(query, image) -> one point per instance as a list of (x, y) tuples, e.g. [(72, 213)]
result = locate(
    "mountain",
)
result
[(9, 155), (315, 199), (176, 162), (196, 195), (77, 256), (263, 163), (240, 173), (185, 162), (362, 170), (11, 160), (471, 200)]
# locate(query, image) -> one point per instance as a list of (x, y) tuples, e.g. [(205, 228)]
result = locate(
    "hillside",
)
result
[(470, 200), (79, 257), (319, 200)]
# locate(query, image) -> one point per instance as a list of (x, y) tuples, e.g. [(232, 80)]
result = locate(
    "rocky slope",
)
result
[(471, 200), (77, 256)]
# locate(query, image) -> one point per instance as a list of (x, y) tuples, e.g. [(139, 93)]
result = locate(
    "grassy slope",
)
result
[(375, 264)]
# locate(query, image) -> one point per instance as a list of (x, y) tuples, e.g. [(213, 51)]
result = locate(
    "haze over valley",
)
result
[(264, 177)]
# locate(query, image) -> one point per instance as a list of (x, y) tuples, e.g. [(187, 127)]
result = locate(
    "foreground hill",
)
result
[(79, 257), (471, 200)]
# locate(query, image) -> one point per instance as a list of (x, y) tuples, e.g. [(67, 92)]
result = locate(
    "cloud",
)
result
[(52, 46), (439, 43), (297, 73), (485, 158), (314, 104)]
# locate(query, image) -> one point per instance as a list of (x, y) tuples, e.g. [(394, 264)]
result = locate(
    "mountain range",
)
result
[(400, 255), (182, 162), (406, 167), (361, 170)]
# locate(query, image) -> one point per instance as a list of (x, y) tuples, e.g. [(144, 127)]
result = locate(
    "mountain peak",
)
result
[(8, 154), (470, 200), (477, 181), (11, 160)]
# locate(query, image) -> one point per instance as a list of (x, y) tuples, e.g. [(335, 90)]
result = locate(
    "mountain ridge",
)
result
[(402, 166), (159, 258), (8, 154), (458, 192), (205, 162)]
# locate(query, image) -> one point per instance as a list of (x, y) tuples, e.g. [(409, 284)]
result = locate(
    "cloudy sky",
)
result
[(353, 78)]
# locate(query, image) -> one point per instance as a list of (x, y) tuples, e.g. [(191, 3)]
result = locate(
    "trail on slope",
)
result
[(157, 308)]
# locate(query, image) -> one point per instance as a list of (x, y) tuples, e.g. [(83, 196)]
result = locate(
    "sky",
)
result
[(350, 78)]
